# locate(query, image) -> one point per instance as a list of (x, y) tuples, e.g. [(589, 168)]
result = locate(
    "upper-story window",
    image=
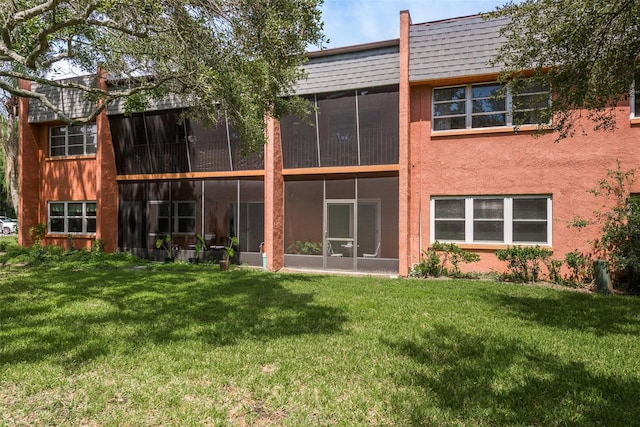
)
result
[(72, 140), (487, 105)]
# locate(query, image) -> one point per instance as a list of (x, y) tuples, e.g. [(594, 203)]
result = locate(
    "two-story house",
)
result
[(407, 143)]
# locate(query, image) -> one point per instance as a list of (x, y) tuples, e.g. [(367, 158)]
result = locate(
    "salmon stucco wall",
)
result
[(44, 179), (66, 179), (408, 249), (29, 159), (508, 163), (106, 180), (273, 198)]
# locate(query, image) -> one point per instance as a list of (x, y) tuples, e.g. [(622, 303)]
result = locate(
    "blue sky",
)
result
[(349, 22)]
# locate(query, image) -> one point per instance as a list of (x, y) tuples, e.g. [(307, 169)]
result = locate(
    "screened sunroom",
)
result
[(340, 213), (154, 144)]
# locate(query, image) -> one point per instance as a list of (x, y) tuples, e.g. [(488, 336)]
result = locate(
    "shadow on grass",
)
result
[(600, 315), (491, 380), (77, 316)]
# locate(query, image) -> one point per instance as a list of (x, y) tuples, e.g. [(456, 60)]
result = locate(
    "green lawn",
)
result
[(107, 344)]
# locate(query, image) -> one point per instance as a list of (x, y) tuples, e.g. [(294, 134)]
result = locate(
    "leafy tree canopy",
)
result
[(585, 50), (237, 56)]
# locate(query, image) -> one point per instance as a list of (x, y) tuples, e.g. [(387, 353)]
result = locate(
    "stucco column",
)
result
[(29, 171), (405, 219), (106, 183), (273, 197)]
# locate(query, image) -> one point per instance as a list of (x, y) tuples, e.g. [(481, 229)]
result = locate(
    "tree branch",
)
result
[(49, 105), (43, 36)]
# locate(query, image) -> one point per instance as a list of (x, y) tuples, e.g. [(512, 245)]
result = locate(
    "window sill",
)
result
[(634, 121), (483, 131), (76, 157), (495, 247), (74, 235)]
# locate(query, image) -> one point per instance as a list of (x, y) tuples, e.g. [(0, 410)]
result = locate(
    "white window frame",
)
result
[(85, 217), (469, 114), (176, 218), (89, 140), (508, 220)]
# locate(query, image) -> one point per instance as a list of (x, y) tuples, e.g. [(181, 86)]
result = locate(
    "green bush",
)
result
[(619, 244), (443, 259), (429, 266), (620, 241), (97, 247), (554, 266), (523, 262), (580, 268), (58, 256), (44, 254), (37, 233)]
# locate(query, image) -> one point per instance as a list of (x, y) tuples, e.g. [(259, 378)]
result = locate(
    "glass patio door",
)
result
[(340, 247)]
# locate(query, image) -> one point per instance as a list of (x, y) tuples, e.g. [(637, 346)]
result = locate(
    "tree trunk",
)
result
[(9, 143)]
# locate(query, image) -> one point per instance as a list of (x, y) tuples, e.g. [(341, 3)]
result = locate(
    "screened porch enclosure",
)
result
[(342, 224), (216, 210), (348, 128), (165, 142)]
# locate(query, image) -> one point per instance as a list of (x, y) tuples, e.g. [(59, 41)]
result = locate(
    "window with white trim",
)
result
[(72, 140), (475, 106), (180, 219), (72, 217), (510, 220)]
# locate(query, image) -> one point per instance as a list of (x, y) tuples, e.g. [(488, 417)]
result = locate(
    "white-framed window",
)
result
[(513, 220), (76, 217), (475, 106), (72, 140), (181, 219)]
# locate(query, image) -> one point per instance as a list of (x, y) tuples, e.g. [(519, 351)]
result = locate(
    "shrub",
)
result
[(443, 259), (580, 268), (97, 246), (43, 254), (554, 266), (620, 241), (37, 233), (619, 222), (429, 265), (523, 262)]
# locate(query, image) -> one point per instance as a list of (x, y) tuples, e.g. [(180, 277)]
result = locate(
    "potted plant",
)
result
[(199, 247), (165, 243), (229, 252)]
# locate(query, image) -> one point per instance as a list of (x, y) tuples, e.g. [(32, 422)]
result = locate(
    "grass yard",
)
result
[(107, 344)]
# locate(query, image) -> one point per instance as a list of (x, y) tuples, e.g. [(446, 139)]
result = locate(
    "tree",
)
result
[(585, 50), (233, 56), (6, 209), (619, 222), (9, 155)]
